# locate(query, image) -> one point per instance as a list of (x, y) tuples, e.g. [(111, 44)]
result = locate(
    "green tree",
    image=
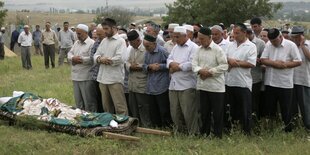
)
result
[(209, 12), (2, 12), (120, 15)]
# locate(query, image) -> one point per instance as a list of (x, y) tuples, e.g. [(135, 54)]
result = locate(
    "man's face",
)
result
[(81, 34), (256, 28), (47, 26), (204, 40), (66, 26), (37, 27), (239, 35), (108, 31), (277, 41), (100, 33), (26, 29), (135, 43), (264, 36), (151, 31), (149, 46), (217, 35), (180, 38), (296, 39)]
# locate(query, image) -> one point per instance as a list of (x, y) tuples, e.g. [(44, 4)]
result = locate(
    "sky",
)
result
[(90, 4)]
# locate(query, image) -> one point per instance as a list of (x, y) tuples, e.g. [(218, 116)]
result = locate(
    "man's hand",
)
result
[(174, 67), (105, 60), (204, 74), (76, 60), (135, 67), (279, 64), (233, 63), (154, 67)]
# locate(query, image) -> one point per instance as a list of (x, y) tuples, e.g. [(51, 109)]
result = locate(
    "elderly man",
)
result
[(157, 81), (189, 31), (138, 99), (256, 25), (83, 86), (171, 43), (95, 68), (301, 90), (25, 40), (257, 73), (111, 74), (218, 36), (210, 81), (49, 39), (66, 39), (153, 30), (264, 35), (182, 92), (280, 56), (2, 53), (241, 56)]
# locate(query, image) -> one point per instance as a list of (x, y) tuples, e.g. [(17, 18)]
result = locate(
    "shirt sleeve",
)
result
[(187, 66), (252, 55), (195, 61), (265, 54), (117, 58), (294, 53), (222, 64)]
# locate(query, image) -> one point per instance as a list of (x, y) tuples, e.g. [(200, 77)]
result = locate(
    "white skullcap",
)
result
[(172, 25), (26, 26), (189, 27), (217, 27), (180, 29), (82, 27), (124, 36), (99, 26), (2, 28)]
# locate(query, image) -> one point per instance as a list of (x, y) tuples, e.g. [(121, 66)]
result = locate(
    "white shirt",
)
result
[(281, 78), (237, 76), (302, 72), (114, 49), (183, 55), (214, 59), (169, 46), (223, 44), (24, 39), (80, 72)]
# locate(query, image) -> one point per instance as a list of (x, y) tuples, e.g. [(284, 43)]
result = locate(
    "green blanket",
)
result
[(15, 105)]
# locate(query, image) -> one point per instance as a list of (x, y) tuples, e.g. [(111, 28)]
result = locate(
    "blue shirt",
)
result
[(37, 35), (95, 69), (14, 36), (157, 82)]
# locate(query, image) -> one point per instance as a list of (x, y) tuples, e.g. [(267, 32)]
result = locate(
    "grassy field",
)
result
[(56, 83)]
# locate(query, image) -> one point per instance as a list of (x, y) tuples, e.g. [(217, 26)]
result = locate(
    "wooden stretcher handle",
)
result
[(111, 135), (153, 131)]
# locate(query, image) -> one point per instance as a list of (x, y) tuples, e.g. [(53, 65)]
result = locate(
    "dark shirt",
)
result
[(95, 68), (14, 36), (157, 82)]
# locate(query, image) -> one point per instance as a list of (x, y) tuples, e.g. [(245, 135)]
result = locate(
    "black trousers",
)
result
[(160, 110), (212, 102), (240, 100), (49, 53), (2, 53), (140, 108), (256, 99), (283, 96)]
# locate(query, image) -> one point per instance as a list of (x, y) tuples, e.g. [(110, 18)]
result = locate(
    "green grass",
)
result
[(56, 83)]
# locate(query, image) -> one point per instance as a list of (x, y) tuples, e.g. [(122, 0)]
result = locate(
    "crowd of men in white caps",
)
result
[(187, 76)]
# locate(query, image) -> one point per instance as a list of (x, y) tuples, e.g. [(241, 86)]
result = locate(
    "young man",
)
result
[(111, 74), (66, 39), (49, 39)]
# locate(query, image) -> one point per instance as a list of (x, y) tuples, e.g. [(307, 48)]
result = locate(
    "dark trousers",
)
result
[(12, 45), (140, 108), (26, 57), (99, 98), (240, 100), (256, 99), (49, 53), (1, 51), (160, 110), (212, 103), (301, 98), (283, 96)]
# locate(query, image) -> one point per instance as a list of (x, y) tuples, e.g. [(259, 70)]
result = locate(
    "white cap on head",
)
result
[(180, 29), (82, 27), (189, 27), (217, 27), (26, 26), (2, 28), (99, 26), (172, 25), (124, 36)]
